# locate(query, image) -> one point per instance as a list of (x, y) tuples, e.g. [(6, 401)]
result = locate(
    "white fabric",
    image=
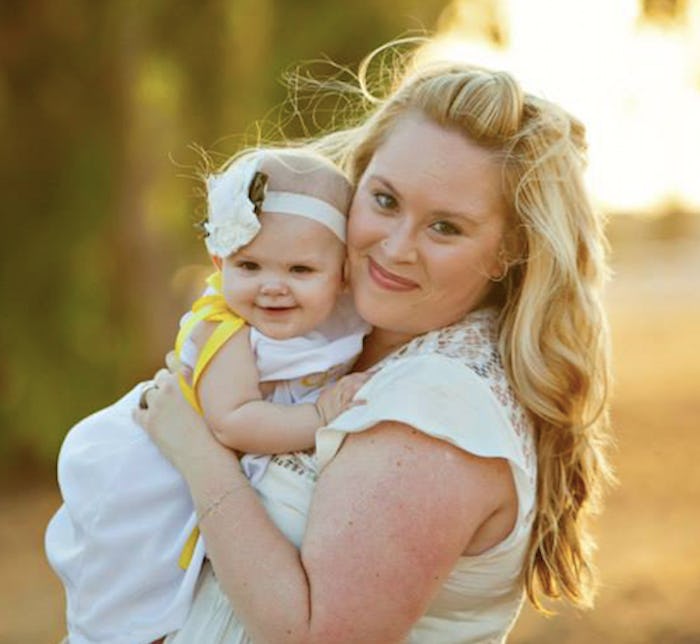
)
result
[(232, 222), (116, 540), (335, 341), (122, 581), (449, 384), (291, 203)]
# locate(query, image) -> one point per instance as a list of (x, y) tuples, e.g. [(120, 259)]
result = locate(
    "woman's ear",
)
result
[(499, 273)]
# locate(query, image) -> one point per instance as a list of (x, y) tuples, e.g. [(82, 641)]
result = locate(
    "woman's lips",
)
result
[(387, 280)]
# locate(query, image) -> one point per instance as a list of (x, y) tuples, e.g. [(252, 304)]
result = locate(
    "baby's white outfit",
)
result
[(127, 513)]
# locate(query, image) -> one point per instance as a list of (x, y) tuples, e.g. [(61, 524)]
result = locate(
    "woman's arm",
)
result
[(390, 516)]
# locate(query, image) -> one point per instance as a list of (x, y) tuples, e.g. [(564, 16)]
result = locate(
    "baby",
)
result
[(274, 326)]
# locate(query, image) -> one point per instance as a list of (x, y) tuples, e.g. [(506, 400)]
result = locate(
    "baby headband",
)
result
[(238, 195)]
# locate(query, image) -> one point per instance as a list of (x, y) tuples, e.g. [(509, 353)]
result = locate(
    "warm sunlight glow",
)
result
[(632, 83)]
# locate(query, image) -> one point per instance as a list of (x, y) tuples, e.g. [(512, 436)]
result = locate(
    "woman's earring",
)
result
[(503, 262)]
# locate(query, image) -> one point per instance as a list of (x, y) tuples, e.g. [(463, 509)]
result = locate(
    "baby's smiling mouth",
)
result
[(276, 309)]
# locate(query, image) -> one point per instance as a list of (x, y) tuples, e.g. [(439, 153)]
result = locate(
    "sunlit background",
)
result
[(100, 105)]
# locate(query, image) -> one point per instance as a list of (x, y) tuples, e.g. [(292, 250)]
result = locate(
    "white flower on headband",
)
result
[(232, 220)]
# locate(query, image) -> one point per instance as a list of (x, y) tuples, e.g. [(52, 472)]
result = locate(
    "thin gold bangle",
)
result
[(220, 499)]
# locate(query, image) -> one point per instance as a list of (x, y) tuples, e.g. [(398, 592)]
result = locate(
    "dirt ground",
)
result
[(649, 547)]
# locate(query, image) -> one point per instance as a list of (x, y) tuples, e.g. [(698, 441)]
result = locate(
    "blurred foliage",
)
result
[(99, 105)]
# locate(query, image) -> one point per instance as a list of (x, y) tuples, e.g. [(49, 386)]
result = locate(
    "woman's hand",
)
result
[(174, 426)]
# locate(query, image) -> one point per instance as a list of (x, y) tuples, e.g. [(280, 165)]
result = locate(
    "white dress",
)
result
[(127, 513), (449, 384)]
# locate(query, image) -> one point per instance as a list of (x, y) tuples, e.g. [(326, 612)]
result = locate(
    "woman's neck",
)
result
[(378, 344)]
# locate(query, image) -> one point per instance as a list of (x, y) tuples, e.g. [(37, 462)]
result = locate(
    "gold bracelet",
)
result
[(220, 499)]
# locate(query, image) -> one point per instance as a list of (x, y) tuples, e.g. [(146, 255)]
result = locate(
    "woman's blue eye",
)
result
[(445, 228), (384, 200)]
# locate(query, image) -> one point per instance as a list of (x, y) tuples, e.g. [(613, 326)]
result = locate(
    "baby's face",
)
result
[(287, 280)]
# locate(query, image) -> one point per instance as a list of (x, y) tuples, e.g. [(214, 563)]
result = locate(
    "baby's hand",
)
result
[(338, 397)]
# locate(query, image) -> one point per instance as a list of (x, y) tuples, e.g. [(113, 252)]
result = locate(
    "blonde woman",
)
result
[(462, 484)]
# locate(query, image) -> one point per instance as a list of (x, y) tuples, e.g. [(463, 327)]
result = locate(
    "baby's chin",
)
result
[(275, 332)]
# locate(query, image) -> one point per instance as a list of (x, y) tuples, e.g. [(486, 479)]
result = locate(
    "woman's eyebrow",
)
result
[(386, 182), (470, 217)]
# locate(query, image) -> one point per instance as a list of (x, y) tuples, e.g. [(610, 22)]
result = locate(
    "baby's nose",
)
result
[(274, 287)]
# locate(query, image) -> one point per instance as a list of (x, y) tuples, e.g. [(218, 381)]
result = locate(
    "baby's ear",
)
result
[(217, 261)]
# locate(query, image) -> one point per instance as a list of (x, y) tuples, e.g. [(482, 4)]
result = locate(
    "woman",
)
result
[(464, 479)]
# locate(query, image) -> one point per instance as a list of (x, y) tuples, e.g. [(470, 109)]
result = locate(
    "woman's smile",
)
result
[(388, 280)]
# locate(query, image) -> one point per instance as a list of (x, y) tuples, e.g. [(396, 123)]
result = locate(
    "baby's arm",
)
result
[(233, 408), (229, 395)]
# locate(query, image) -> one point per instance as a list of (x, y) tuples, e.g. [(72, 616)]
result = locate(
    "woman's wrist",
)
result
[(215, 504), (211, 468)]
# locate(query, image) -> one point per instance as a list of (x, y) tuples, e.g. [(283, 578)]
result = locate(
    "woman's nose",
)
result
[(399, 245)]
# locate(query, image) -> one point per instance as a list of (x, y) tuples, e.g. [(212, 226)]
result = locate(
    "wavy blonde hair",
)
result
[(553, 331)]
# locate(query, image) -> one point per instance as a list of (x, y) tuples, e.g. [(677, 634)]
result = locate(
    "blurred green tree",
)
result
[(99, 103)]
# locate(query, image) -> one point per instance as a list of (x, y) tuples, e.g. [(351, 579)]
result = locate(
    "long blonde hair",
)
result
[(553, 332)]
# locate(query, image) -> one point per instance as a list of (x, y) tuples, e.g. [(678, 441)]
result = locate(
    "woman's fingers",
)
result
[(164, 378), (160, 372), (172, 362), (143, 398), (151, 392)]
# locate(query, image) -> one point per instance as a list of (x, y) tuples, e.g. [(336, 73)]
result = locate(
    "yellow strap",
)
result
[(188, 549), (208, 308), (221, 334)]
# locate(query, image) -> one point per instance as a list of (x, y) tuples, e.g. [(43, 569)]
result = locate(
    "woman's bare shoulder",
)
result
[(392, 514)]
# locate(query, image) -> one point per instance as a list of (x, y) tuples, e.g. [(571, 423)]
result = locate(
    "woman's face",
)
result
[(425, 228)]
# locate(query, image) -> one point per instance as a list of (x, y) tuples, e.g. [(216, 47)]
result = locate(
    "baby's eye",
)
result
[(248, 266), (445, 228), (300, 268), (384, 200)]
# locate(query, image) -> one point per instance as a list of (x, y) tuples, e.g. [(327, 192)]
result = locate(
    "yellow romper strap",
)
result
[(208, 308)]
